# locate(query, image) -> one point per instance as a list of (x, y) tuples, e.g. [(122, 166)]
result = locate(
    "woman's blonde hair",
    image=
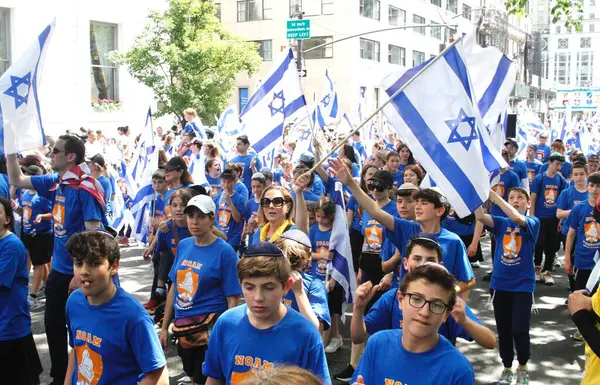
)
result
[(283, 375), (287, 198), (297, 253)]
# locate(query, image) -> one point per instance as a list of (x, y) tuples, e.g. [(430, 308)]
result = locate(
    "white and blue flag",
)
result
[(327, 108), (228, 128), (21, 125), (144, 163), (342, 268), (277, 99), (438, 118)]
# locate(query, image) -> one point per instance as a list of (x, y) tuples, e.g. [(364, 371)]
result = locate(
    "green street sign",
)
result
[(298, 29)]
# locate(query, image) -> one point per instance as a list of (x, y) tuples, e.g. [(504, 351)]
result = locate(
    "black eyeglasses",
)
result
[(277, 202), (375, 187), (417, 301), (56, 150)]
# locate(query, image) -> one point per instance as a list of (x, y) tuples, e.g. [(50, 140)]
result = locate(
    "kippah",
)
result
[(297, 236), (426, 237), (263, 249)]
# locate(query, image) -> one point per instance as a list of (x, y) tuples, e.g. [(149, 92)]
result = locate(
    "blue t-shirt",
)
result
[(317, 297), (455, 257), (166, 241), (513, 262), (215, 185), (33, 205), (252, 208), (320, 244), (547, 190), (532, 170), (357, 217), (203, 277), (399, 177), (308, 196), (15, 320), (114, 342), (452, 224), (582, 220), (318, 187), (225, 220), (542, 153), (108, 190), (244, 162), (386, 361), (241, 189), (159, 205), (4, 186), (507, 181), (567, 200), (386, 314), (519, 168), (72, 208), (236, 348), (373, 231)]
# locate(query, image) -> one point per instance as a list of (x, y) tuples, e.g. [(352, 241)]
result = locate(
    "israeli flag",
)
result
[(21, 125), (493, 77), (228, 128), (277, 99), (438, 118), (522, 139), (197, 127), (144, 164), (342, 268), (328, 105)]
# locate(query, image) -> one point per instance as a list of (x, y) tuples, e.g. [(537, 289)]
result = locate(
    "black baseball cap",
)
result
[(384, 178), (175, 163), (99, 160), (511, 142)]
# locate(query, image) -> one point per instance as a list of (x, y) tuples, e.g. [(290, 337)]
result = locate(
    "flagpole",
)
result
[(377, 111)]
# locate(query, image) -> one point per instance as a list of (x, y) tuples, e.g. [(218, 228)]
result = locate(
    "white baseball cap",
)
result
[(203, 203)]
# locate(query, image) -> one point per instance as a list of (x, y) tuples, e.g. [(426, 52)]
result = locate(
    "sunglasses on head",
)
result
[(375, 187), (277, 202)]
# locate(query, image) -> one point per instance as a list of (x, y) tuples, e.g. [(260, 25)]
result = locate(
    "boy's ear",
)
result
[(115, 267), (405, 263), (288, 285)]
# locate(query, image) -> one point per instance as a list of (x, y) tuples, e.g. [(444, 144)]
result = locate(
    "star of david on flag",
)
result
[(438, 117), (21, 125), (278, 100)]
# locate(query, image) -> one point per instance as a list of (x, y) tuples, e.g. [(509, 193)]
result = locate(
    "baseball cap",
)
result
[(556, 156), (203, 203), (175, 163), (593, 158), (511, 142), (385, 178), (297, 236), (263, 249), (98, 159), (307, 157)]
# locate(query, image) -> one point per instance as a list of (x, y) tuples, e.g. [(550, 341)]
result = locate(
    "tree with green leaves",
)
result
[(189, 59), (569, 11)]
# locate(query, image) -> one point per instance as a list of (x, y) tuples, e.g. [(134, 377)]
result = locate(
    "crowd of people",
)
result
[(242, 261)]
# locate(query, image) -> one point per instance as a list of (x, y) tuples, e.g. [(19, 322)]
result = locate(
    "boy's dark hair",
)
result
[(243, 139), (311, 206), (256, 267), (594, 178), (581, 165), (300, 170), (159, 175), (8, 211), (92, 246), (328, 208), (391, 154), (228, 174), (438, 200), (74, 145), (433, 274), (235, 167), (519, 190), (268, 175), (426, 244)]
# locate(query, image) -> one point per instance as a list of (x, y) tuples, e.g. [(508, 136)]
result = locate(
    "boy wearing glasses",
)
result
[(513, 278), (385, 313), (417, 353)]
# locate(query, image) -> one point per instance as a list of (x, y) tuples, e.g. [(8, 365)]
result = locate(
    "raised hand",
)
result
[(339, 170), (364, 294)]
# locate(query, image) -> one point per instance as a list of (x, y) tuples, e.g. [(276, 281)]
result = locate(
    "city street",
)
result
[(556, 358)]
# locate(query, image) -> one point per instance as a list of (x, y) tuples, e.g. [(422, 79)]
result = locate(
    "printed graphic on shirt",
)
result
[(89, 363), (252, 364), (540, 155), (322, 264), (224, 216), (173, 247), (591, 228), (550, 196), (187, 284), (58, 214), (374, 235), (287, 302), (530, 175), (26, 216), (511, 246), (499, 189)]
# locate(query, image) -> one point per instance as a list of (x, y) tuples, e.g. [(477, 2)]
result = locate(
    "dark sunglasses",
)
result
[(277, 202), (56, 150), (375, 187)]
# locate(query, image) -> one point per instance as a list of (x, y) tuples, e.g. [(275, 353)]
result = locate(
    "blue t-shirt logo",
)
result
[(187, 283), (254, 363), (224, 216), (58, 213), (89, 370), (374, 236), (550, 196), (511, 244), (591, 233)]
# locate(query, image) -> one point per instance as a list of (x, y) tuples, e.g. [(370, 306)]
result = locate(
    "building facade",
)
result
[(77, 73), (357, 64)]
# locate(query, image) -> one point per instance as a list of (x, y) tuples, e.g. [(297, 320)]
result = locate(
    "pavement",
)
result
[(555, 357)]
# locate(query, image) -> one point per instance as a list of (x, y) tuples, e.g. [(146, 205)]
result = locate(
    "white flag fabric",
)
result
[(21, 125), (277, 99), (228, 128), (438, 118)]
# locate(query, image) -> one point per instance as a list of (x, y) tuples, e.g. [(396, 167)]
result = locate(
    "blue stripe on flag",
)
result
[(42, 40), (455, 62), (436, 150), (277, 132), (490, 94), (405, 77), (269, 84)]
